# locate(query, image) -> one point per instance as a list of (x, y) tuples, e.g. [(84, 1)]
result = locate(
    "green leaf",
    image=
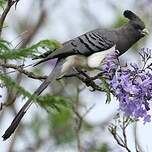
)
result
[(47, 43), (4, 45), (16, 53), (2, 2), (36, 125), (9, 83), (120, 21), (7, 53), (59, 117), (104, 148), (106, 88), (87, 126), (51, 45), (59, 123), (49, 102)]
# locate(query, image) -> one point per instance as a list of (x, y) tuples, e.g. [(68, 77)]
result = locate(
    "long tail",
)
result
[(50, 79)]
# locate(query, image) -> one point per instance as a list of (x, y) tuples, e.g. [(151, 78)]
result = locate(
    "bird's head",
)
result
[(136, 23)]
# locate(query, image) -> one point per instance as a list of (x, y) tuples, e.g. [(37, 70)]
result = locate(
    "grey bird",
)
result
[(87, 50)]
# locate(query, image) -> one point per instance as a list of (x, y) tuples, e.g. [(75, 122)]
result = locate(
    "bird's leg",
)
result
[(69, 75), (89, 77), (82, 72), (81, 75), (89, 81), (97, 76), (74, 73)]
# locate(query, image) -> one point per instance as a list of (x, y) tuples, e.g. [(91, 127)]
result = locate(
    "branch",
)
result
[(21, 70), (121, 141), (89, 81), (34, 29), (79, 120), (10, 3)]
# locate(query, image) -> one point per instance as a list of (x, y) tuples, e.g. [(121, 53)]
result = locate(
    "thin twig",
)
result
[(10, 3), (34, 29), (90, 83), (124, 131), (121, 141), (21, 70), (78, 120)]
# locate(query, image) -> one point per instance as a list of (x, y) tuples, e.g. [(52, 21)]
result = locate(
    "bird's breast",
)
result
[(95, 60)]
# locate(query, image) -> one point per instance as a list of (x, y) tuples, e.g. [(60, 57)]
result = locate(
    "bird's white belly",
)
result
[(95, 60), (91, 62)]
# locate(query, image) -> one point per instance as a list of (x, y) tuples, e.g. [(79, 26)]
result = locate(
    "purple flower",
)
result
[(131, 85), (147, 119), (110, 64)]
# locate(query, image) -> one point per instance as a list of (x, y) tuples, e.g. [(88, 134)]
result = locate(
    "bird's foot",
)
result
[(68, 76)]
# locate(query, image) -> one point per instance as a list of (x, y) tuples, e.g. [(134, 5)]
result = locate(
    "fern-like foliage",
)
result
[(49, 102), (10, 83), (7, 53)]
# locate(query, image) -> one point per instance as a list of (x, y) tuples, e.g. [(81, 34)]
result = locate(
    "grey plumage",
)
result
[(103, 39), (83, 46)]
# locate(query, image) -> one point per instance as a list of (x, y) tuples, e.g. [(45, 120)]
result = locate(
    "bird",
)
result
[(87, 50)]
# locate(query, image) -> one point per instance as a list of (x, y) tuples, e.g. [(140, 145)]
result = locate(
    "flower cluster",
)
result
[(110, 64), (132, 85)]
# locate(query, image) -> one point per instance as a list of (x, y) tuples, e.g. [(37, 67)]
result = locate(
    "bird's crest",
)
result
[(130, 15), (134, 19)]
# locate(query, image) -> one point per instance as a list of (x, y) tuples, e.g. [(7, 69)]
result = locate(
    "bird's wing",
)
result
[(86, 44)]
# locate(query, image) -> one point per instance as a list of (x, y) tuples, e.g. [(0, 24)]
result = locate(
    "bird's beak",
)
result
[(145, 32)]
